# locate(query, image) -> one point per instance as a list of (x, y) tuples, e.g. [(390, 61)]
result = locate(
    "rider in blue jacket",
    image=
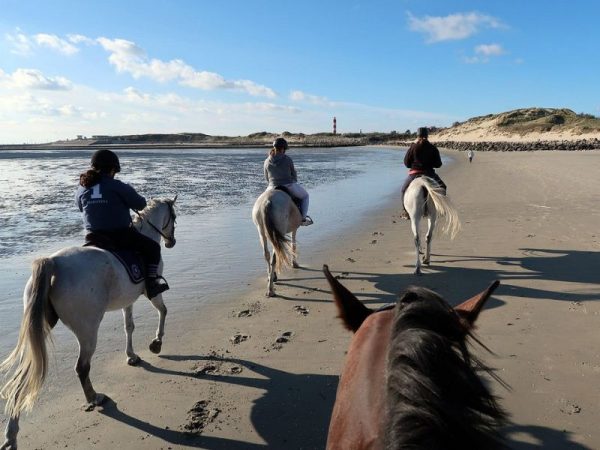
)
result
[(105, 203)]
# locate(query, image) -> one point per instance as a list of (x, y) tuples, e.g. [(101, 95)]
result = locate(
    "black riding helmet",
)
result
[(105, 161), (280, 144)]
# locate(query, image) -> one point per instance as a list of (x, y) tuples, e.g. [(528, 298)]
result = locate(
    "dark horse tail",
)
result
[(282, 244), (30, 354)]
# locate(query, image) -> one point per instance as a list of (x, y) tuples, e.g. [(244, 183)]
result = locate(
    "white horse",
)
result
[(424, 198), (276, 215), (78, 285)]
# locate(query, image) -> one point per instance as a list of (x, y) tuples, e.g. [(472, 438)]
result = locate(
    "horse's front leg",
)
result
[(295, 264), (428, 239), (10, 434), (156, 344), (132, 358)]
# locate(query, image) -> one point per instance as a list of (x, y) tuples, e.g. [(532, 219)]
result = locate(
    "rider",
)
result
[(279, 171), (422, 158), (105, 203)]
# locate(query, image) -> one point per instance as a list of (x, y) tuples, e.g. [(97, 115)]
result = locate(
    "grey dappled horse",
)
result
[(78, 285), (424, 198), (275, 216)]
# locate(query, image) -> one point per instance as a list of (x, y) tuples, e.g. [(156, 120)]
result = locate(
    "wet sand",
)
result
[(254, 372)]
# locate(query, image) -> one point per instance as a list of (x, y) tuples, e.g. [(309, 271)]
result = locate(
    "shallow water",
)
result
[(217, 247)]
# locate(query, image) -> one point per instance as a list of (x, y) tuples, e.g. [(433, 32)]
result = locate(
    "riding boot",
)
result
[(155, 285)]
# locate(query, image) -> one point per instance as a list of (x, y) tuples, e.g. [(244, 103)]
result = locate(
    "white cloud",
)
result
[(489, 50), (452, 27), (299, 96), (80, 39), (128, 57), (54, 42), (21, 44), (34, 79)]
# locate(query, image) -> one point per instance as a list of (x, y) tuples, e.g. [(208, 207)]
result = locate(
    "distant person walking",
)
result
[(470, 155), (280, 171), (422, 158)]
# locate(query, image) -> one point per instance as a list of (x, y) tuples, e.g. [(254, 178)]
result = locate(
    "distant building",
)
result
[(334, 125)]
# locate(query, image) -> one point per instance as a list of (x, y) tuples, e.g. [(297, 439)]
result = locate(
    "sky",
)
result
[(235, 67)]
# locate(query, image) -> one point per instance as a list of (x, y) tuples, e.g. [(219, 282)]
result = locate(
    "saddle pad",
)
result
[(131, 260)]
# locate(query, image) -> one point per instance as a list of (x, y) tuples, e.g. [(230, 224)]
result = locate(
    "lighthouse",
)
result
[(334, 126)]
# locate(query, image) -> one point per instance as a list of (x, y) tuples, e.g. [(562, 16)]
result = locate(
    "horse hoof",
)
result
[(155, 346), (295, 265), (426, 262), (418, 272), (270, 294), (98, 401), (133, 360), (275, 278), (9, 446)]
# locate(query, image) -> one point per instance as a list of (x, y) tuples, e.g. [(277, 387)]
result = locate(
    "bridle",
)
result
[(172, 218)]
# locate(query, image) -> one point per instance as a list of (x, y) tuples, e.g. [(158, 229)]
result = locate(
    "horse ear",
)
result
[(469, 310), (175, 199), (350, 309)]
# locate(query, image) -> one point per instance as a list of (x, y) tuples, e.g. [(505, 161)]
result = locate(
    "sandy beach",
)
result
[(254, 372)]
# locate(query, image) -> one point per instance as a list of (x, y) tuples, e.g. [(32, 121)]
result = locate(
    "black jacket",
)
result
[(423, 156)]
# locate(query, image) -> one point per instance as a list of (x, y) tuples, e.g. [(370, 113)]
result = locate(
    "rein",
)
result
[(159, 231)]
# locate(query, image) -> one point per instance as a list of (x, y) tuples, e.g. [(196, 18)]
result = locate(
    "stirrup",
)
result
[(154, 286), (306, 221)]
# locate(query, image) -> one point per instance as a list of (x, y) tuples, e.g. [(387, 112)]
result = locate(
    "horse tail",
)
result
[(350, 309), (443, 207), (30, 355), (282, 245)]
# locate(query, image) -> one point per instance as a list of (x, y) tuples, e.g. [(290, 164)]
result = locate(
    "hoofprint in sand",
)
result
[(256, 372)]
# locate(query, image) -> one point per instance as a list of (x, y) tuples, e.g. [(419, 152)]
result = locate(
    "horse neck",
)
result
[(150, 214)]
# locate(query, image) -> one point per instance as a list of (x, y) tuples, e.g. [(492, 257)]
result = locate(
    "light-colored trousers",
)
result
[(300, 193)]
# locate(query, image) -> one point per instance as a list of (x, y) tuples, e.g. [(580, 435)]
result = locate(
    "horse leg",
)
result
[(87, 346), (414, 223), (428, 238), (295, 264), (132, 358), (156, 344), (10, 434), (272, 276)]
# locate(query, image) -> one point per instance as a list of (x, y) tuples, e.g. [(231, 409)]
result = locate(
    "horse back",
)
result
[(89, 278), (359, 411)]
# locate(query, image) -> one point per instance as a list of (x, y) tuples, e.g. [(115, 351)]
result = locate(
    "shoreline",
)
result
[(519, 226)]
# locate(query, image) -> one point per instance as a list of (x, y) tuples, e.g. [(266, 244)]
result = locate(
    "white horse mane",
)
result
[(151, 206)]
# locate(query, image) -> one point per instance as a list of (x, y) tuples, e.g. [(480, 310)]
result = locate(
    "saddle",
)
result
[(296, 200), (131, 260)]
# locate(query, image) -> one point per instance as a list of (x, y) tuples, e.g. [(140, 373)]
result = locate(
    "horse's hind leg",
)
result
[(156, 344), (10, 434), (132, 358), (428, 238), (87, 345), (415, 229), (272, 276), (295, 264)]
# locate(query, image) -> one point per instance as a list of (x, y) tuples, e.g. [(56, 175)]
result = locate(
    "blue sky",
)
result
[(235, 67)]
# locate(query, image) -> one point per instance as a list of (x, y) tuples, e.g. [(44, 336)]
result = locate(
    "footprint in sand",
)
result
[(238, 338), (301, 310), (352, 260), (199, 417)]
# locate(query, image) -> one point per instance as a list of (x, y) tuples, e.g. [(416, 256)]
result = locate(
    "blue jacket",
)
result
[(106, 205)]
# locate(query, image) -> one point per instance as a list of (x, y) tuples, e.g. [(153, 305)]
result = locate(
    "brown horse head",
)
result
[(409, 380)]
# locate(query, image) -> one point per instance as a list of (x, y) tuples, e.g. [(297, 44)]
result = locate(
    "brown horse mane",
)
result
[(436, 399)]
